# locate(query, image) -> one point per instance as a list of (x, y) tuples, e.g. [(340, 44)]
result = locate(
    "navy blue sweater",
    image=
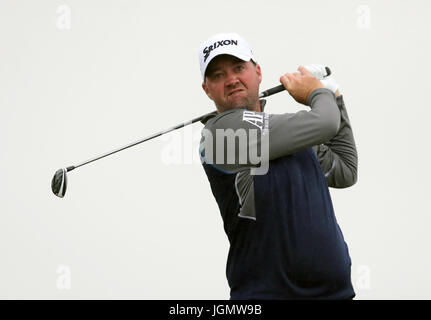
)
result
[(294, 248)]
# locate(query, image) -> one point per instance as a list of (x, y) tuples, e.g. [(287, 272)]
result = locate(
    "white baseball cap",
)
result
[(224, 43)]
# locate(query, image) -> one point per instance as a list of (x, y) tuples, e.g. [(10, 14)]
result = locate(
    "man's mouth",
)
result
[(235, 91)]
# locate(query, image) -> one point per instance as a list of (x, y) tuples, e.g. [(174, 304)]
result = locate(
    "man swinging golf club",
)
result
[(285, 242)]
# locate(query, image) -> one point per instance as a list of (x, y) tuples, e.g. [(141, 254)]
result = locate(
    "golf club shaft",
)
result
[(155, 135), (264, 94)]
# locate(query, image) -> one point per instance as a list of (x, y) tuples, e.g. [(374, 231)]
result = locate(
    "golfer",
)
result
[(285, 242)]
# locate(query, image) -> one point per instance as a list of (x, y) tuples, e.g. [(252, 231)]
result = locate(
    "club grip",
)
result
[(281, 87), (272, 91)]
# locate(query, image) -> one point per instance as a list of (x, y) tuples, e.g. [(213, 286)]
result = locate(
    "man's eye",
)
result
[(239, 67), (217, 75)]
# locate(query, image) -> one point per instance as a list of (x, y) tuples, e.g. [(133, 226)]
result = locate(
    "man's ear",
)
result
[(259, 73), (204, 86)]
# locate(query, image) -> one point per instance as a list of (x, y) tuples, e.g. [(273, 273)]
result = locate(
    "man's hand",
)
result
[(301, 85), (319, 71)]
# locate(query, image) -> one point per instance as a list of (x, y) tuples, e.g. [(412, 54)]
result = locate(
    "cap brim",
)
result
[(243, 57)]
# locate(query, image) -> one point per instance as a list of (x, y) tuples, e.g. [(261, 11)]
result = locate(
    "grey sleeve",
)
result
[(284, 134), (338, 156), (291, 132)]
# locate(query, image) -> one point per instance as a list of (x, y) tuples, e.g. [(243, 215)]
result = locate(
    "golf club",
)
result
[(59, 181)]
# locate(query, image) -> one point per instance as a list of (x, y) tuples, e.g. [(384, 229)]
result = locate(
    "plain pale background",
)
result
[(138, 225)]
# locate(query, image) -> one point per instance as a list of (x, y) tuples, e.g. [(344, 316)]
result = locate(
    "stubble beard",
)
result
[(249, 102)]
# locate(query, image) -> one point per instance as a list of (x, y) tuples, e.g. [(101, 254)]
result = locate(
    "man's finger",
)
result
[(286, 80), (304, 71), (296, 74)]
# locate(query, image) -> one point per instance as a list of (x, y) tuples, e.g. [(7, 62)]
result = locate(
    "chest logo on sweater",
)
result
[(253, 118)]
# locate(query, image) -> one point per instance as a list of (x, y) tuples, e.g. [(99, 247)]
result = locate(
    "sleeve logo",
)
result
[(253, 118)]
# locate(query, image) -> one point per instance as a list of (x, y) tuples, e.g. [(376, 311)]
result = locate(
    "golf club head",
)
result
[(59, 182)]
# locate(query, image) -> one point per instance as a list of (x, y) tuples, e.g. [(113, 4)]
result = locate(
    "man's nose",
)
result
[(232, 80)]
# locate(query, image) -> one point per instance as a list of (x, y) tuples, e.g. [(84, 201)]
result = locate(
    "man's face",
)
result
[(233, 83)]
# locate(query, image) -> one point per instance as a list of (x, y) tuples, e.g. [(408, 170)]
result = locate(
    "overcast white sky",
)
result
[(79, 78)]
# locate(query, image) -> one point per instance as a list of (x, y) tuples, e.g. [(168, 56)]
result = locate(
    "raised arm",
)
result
[(338, 156)]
